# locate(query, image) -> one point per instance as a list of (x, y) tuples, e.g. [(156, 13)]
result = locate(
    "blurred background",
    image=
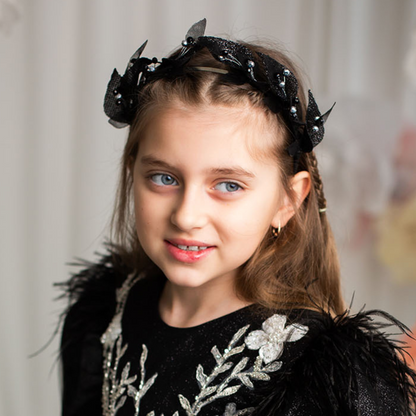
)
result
[(59, 156)]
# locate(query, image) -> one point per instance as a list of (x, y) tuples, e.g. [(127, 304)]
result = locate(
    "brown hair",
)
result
[(300, 267)]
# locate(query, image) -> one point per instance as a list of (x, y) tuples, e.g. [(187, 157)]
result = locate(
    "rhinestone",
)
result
[(315, 128), (293, 109), (184, 43), (317, 118), (282, 84), (250, 64), (220, 57), (286, 72), (115, 92), (118, 96), (118, 102), (151, 68)]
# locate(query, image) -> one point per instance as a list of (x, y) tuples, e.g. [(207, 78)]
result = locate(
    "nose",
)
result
[(190, 210)]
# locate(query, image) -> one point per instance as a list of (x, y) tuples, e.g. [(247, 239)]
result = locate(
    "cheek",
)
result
[(144, 209), (245, 226)]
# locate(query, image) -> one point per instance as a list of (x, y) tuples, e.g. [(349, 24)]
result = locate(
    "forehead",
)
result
[(212, 132)]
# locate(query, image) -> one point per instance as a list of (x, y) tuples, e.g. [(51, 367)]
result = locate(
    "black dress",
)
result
[(119, 358)]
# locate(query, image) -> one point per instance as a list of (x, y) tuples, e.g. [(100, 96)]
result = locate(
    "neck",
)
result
[(184, 307)]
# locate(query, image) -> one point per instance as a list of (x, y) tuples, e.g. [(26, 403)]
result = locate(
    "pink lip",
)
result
[(185, 256)]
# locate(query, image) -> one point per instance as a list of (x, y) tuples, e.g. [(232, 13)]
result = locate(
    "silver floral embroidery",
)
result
[(268, 341), (114, 390), (239, 372), (271, 339), (231, 410)]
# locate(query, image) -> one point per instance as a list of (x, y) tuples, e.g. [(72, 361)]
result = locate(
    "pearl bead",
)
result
[(118, 96), (315, 128), (293, 110), (250, 64), (286, 72)]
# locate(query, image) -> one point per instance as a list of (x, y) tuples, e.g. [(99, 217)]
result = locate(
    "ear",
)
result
[(300, 185)]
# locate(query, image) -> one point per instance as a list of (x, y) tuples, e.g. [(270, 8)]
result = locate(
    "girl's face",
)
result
[(203, 201)]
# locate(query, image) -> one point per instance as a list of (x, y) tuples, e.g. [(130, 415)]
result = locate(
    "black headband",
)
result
[(277, 83)]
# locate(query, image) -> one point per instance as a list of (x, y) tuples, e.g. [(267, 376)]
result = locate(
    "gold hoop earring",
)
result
[(276, 231)]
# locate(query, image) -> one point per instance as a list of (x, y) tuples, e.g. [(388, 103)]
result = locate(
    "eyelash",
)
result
[(161, 176)]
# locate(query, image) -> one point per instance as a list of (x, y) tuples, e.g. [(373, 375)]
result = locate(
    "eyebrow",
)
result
[(232, 170)]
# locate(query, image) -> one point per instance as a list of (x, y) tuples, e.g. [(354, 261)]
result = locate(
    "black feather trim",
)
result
[(350, 367), (92, 303)]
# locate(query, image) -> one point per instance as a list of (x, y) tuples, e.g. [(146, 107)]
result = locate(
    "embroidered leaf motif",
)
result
[(274, 366), (231, 410), (217, 355), (237, 336), (148, 384), (124, 349), (185, 404), (295, 332), (260, 376), (120, 404), (132, 391), (206, 392), (246, 381), (200, 376), (228, 391), (234, 351), (223, 368), (125, 373), (258, 363), (240, 366)]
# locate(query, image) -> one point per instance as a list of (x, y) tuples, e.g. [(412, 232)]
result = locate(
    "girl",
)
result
[(221, 292)]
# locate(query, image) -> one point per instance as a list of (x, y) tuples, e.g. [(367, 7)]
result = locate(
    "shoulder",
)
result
[(91, 292), (345, 365), (91, 295)]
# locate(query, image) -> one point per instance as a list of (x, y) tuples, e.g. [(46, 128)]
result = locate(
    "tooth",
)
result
[(203, 248), (193, 248), (182, 247)]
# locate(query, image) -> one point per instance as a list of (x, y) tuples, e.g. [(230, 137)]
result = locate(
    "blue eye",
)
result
[(163, 179), (228, 187)]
